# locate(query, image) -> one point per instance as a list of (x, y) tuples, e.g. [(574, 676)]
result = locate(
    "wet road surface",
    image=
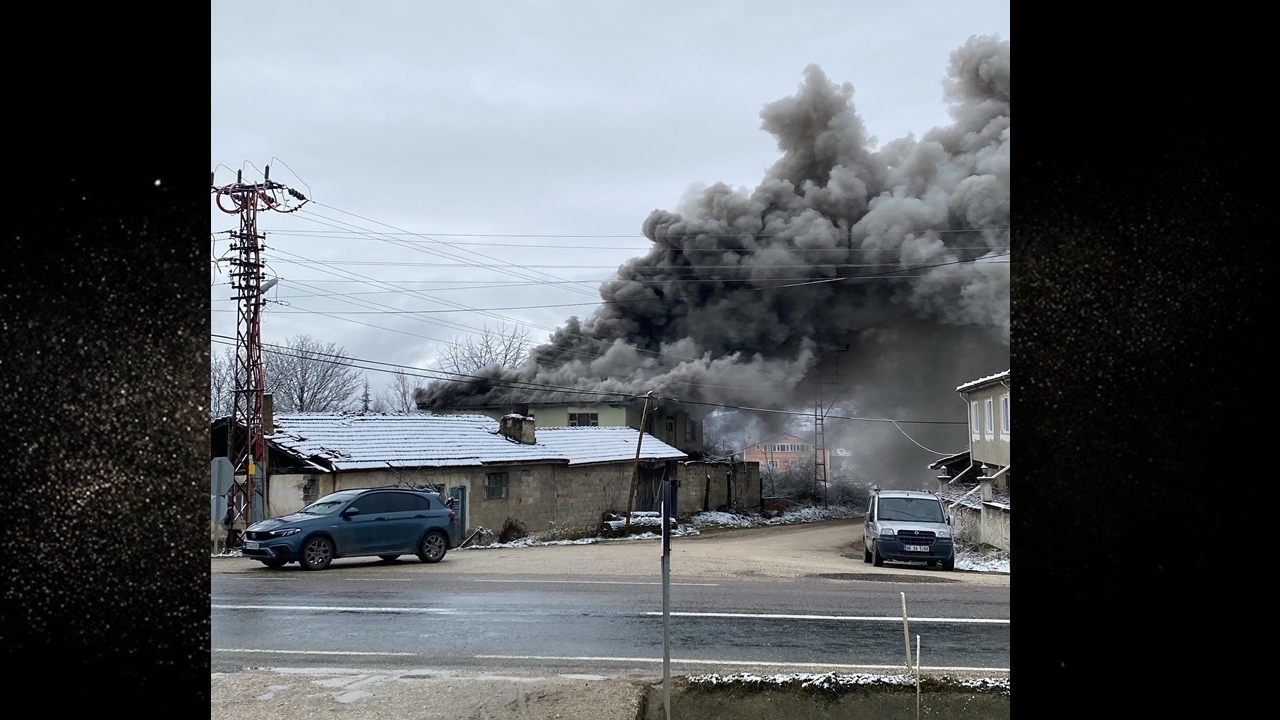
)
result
[(365, 613)]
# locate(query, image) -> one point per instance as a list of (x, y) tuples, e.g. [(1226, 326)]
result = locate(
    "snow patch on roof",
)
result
[(586, 445), (949, 460), (367, 441), (983, 381)]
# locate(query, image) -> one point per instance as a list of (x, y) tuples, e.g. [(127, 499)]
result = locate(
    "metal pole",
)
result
[(666, 597)]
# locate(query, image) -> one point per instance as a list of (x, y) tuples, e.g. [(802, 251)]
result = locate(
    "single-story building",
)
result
[(547, 478), (666, 421)]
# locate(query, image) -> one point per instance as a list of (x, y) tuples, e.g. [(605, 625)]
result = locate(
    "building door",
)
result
[(459, 497)]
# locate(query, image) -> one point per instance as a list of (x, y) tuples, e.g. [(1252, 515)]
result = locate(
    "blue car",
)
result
[(385, 522)]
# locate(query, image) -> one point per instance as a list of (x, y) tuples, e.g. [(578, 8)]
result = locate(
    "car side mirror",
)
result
[(350, 511)]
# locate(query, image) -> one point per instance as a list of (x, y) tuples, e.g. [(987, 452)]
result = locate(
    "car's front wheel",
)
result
[(949, 563), (317, 553), (433, 547), (866, 555), (876, 558)]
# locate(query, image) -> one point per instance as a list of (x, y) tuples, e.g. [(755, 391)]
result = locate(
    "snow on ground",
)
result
[(981, 560), (815, 681), (790, 517), (639, 519), (692, 527), (834, 682), (531, 541)]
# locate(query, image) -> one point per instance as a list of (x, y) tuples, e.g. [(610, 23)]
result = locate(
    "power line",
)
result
[(363, 364), (424, 237), (635, 236), (506, 269), (342, 234), (547, 329), (665, 281), (347, 361), (670, 268)]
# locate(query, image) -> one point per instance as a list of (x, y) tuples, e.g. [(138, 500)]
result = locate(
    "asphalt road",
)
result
[(363, 613)]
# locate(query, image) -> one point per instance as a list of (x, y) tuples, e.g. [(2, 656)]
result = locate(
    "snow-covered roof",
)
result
[(949, 460), (584, 445), (370, 441), (983, 381)]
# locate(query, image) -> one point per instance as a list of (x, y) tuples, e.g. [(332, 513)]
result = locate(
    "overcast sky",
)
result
[(466, 125)]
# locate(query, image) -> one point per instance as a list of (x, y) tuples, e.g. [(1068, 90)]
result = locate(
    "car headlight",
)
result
[(284, 533), (887, 533), (944, 534)]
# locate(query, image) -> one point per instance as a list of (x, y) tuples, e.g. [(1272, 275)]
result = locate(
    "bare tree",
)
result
[(222, 381), (398, 395), (719, 434), (502, 346), (307, 376)]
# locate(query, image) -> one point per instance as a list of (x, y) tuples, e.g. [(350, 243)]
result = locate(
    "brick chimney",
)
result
[(518, 427)]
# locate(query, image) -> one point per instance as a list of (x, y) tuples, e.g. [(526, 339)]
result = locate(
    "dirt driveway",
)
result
[(775, 552)]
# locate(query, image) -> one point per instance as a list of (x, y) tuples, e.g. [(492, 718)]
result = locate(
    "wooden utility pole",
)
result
[(635, 473)]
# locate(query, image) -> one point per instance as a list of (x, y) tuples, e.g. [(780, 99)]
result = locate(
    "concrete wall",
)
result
[(988, 526), (995, 527), (542, 496), (692, 494), (992, 449), (549, 497), (284, 494)]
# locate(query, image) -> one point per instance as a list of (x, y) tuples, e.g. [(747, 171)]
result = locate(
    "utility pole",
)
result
[(245, 446), (635, 472), (819, 443), (820, 455)]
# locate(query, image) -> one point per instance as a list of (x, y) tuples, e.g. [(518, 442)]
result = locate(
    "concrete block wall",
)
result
[(693, 495), (986, 526), (549, 497), (543, 497)]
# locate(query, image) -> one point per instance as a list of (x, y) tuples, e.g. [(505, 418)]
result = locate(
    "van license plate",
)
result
[(250, 545), (916, 548)]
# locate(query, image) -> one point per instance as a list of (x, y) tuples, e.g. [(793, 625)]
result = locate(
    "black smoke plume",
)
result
[(888, 262)]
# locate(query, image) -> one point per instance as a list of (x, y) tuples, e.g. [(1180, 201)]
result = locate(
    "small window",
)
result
[(772, 463), (792, 463), (1004, 414), (671, 427), (991, 420), (584, 419), (689, 434), (973, 419), (495, 486)]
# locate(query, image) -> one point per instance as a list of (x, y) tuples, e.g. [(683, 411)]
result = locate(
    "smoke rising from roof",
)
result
[(844, 252)]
